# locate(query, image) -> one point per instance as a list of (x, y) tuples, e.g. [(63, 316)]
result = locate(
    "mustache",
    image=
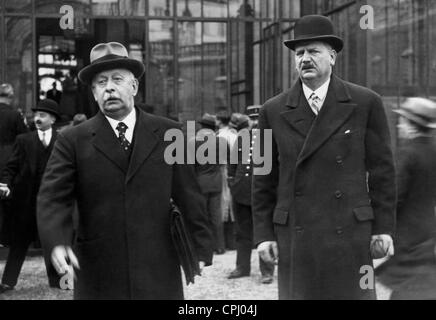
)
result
[(38, 122), (307, 66), (111, 98)]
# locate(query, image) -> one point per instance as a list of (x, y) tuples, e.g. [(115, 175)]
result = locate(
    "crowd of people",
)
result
[(99, 194)]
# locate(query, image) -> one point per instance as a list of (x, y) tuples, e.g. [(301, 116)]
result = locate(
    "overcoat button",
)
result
[(339, 160), (339, 230), (338, 194)]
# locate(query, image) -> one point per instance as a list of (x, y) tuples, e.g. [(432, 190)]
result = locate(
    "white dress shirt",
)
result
[(47, 137), (129, 121), (321, 93)]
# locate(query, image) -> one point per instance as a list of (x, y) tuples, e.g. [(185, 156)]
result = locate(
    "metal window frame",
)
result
[(228, 20)]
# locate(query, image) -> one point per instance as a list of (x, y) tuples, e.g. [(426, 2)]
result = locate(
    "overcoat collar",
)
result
[(144, 141), (336, 110)]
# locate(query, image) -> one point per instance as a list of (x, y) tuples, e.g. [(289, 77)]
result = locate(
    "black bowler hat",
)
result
[(49, 106), (315, 28), (111, 55)]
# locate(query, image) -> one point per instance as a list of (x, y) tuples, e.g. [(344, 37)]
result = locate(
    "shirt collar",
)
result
[(321, 92), (47, 132), (129, 121)]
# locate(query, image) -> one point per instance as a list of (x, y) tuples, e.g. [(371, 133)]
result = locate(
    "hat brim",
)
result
[(52, 112), (137, 68), (336, 42), (414, 118)]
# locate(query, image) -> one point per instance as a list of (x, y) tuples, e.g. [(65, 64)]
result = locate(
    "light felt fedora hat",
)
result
[(315, 28), (419, 110), (111, 55)]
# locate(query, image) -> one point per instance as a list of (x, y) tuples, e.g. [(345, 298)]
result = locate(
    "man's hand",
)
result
[(4, 190), (381, 246), (268, 251), (201, 265), (60, 255)]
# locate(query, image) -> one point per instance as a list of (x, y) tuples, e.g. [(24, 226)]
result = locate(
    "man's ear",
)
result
[(333, 55), (135, 85), (93, 92)]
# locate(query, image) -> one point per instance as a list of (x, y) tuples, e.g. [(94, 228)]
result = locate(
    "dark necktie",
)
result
[(125, 144)]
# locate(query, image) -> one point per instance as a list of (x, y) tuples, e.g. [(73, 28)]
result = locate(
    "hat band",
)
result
[(108, 57)]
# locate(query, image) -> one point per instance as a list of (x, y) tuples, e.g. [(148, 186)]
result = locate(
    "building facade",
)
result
[(206, 55)]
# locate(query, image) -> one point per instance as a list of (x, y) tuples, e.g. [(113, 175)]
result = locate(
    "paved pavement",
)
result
[(213, 285)]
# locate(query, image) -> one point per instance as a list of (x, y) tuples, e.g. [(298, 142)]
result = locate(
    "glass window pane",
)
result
[(214, 84), (215, 8), (190, 76), (241, 8), (160, 8), (18, 6), (118, 7), (160, 77), (19, 60), (189, 8), (53, 6)]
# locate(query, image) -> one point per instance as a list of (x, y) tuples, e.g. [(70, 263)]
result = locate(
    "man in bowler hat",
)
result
[(331, 191), (21, 179), (113, 166)]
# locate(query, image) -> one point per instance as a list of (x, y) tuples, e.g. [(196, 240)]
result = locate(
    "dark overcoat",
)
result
[(124, 244), (332, 186), (11, 125), (23, 173), (241, 172)]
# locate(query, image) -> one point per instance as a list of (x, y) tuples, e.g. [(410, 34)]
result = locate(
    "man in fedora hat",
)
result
[(331, 192), (411, 273), (113, 166), (21, 179), (209, 176)]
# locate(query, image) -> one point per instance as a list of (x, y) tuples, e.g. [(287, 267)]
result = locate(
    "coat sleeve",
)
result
[(56, 196), (381, 170), (264, 189), (188, 197), (13, 166)]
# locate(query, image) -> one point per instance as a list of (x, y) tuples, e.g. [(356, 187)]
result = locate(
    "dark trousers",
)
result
[(213, 200), (244, 240), (17, 255)]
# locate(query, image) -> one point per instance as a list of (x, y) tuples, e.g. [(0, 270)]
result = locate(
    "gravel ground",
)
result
[(213, 285)]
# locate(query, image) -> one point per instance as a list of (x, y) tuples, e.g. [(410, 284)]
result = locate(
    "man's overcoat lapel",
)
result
[(335, 111)]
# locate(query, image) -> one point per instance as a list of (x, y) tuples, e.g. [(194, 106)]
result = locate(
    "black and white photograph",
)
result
[(235, 151)]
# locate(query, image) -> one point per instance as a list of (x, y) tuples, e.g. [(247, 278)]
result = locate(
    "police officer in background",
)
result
[(239, 179)]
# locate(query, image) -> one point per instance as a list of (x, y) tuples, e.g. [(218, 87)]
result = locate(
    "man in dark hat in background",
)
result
[(21, 179), (411, 272), (230, 135), (209, 178), (240, 176), (113, 166), (11, 125), (331, 192)]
